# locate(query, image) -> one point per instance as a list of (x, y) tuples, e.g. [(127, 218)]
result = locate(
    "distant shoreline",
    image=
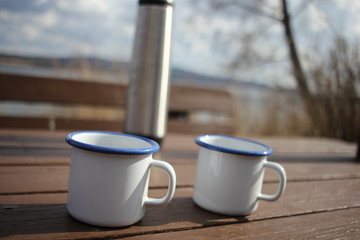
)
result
[(97, 69)]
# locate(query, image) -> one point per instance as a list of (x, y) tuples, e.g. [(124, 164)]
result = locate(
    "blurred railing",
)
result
[(84, 105)]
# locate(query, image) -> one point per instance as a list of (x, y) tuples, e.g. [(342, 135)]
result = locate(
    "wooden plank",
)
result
[(33, 160), (33, 179), (296, 172), (200, 128), (190, 98), (38, 179), (11, 122), (308, 145), (344, 224), (28, 219), (45, 157), (35, 144), (54, 178), (45, 89), (19, 134), (24, 122), (35, 198), (89, 124), (32, 152)]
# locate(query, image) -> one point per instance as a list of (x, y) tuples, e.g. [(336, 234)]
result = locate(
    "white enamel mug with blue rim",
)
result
[(109, 177), (229, 174)]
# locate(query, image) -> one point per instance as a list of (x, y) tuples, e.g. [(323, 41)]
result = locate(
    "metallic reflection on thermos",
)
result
[(148, 90)]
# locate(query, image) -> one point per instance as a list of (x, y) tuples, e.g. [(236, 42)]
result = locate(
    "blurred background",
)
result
[(292, 67)]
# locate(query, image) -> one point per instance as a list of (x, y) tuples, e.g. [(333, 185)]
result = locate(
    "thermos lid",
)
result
[(156, 2)]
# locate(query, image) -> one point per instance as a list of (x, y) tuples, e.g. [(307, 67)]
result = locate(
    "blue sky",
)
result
[(106, 29)]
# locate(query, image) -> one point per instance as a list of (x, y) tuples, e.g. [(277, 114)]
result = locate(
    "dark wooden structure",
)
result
[(185, 101)]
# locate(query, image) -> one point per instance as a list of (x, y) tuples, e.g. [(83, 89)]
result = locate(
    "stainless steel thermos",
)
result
[(148, 89)]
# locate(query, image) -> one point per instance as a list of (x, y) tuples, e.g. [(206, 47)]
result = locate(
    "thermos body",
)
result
[(149, 85)]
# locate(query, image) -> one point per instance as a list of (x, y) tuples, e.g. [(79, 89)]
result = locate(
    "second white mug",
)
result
[(230, 173)]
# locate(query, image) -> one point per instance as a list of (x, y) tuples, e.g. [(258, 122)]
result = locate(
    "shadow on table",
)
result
[(53, 219), (183, 212), (17, 219)]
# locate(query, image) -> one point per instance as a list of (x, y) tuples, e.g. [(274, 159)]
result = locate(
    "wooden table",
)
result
[(322, 198)]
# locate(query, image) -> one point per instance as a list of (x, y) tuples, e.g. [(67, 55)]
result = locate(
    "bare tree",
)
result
[(336, 83), (298, 71), (340, 104)]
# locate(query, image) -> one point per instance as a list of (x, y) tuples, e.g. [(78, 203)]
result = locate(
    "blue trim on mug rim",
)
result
[(268, 150), (112, 150)]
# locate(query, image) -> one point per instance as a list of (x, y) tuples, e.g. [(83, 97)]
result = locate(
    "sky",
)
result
[(105, 29)]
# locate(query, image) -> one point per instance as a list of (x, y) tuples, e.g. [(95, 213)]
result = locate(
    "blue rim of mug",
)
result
[(268, 150), (112, 150)]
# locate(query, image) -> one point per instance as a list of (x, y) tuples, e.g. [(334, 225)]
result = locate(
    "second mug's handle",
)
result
[(282, 183), (171, 187)]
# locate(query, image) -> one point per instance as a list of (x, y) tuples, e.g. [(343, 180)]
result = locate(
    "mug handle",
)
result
[(171, 187), (282, 183)]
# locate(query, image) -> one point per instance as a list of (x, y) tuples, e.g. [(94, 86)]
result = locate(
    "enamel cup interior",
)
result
[(233, 145), (109, 142)]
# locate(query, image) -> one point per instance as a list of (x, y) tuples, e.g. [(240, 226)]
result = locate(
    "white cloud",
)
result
[(193, 43), (30, 31), (40, 2), (4, 15), (348, 5), (316, 19), (348, 18), (48, 19), (84, 6)]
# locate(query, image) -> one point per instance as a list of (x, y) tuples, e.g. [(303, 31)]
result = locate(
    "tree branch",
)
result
[(220, 5), (294, 56)]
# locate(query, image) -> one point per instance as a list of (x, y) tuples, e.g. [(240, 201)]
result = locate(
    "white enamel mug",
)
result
[(230, 173), (109, 177)]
